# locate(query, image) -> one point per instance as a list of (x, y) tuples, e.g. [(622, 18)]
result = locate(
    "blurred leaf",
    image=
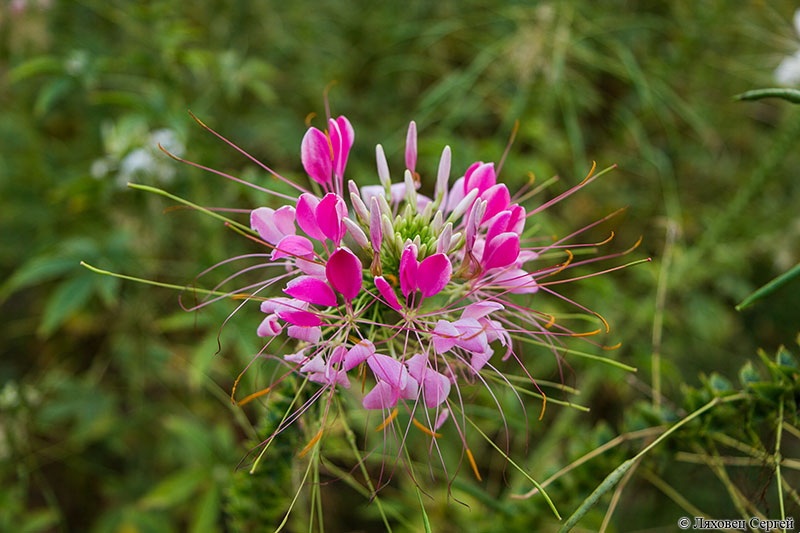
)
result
[(36, 270), (50, 94), (36, 521), (175, 489), (65, 301), (34, 67), (204, 518)]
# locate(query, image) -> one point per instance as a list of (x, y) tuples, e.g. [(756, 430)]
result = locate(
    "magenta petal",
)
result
[(262, 221), (501, 251), (435, 387), (434, 274), (388, 369), (359, 353), (330, 212), (455, 195), (311, 290), (307, 216), (388, 293), (498, 224), (300, 318), (315, 152), (497, 199), (467, 176), (382, 396), (344, 273), (347, 137), (517, 221), (411, 146), (292, 246), (482, 178), (336, 144), (408, 270)]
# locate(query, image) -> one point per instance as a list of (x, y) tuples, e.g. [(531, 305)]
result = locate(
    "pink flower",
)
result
[(467, 278)]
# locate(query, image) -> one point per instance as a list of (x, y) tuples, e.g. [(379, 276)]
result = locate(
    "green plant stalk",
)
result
[(585, 355), (351, 439), (769, 288), (180, 200), (614, 477), (777, 457), (515, 465)]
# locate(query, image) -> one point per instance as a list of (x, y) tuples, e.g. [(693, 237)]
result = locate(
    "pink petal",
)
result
[(308, 334), (481, 309), (408, 270), (344, 273), (307, 216), (481, 178), (411, 146), (471, 335), (375, 230), (284, 220), (315, 152), (441, 419), (434, 274), (417, 364), (382, 396), (337, 355), (501, 251), (479, 359), (311, 290), (262, 221), (410, 391), (330, 212), (347, 138), (517, 281), (455, 195), (317, 364), (300, 318), (280, 303), (308, 266), (388, 369), (388, 293), (359, 353), (270, 326), (497, 199), (444, 336), (292, 246), (435, 387)]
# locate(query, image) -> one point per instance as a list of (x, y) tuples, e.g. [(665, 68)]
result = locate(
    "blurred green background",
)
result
[(114, 409)]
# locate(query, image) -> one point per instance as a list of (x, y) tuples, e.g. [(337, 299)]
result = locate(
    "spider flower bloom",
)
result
[(413, 296)]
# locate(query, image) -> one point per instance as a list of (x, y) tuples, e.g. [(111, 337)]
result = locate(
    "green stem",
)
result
[(180, 200), (613, 478)]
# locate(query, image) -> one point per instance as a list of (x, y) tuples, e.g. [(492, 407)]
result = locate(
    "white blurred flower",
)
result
[(788, 72)]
